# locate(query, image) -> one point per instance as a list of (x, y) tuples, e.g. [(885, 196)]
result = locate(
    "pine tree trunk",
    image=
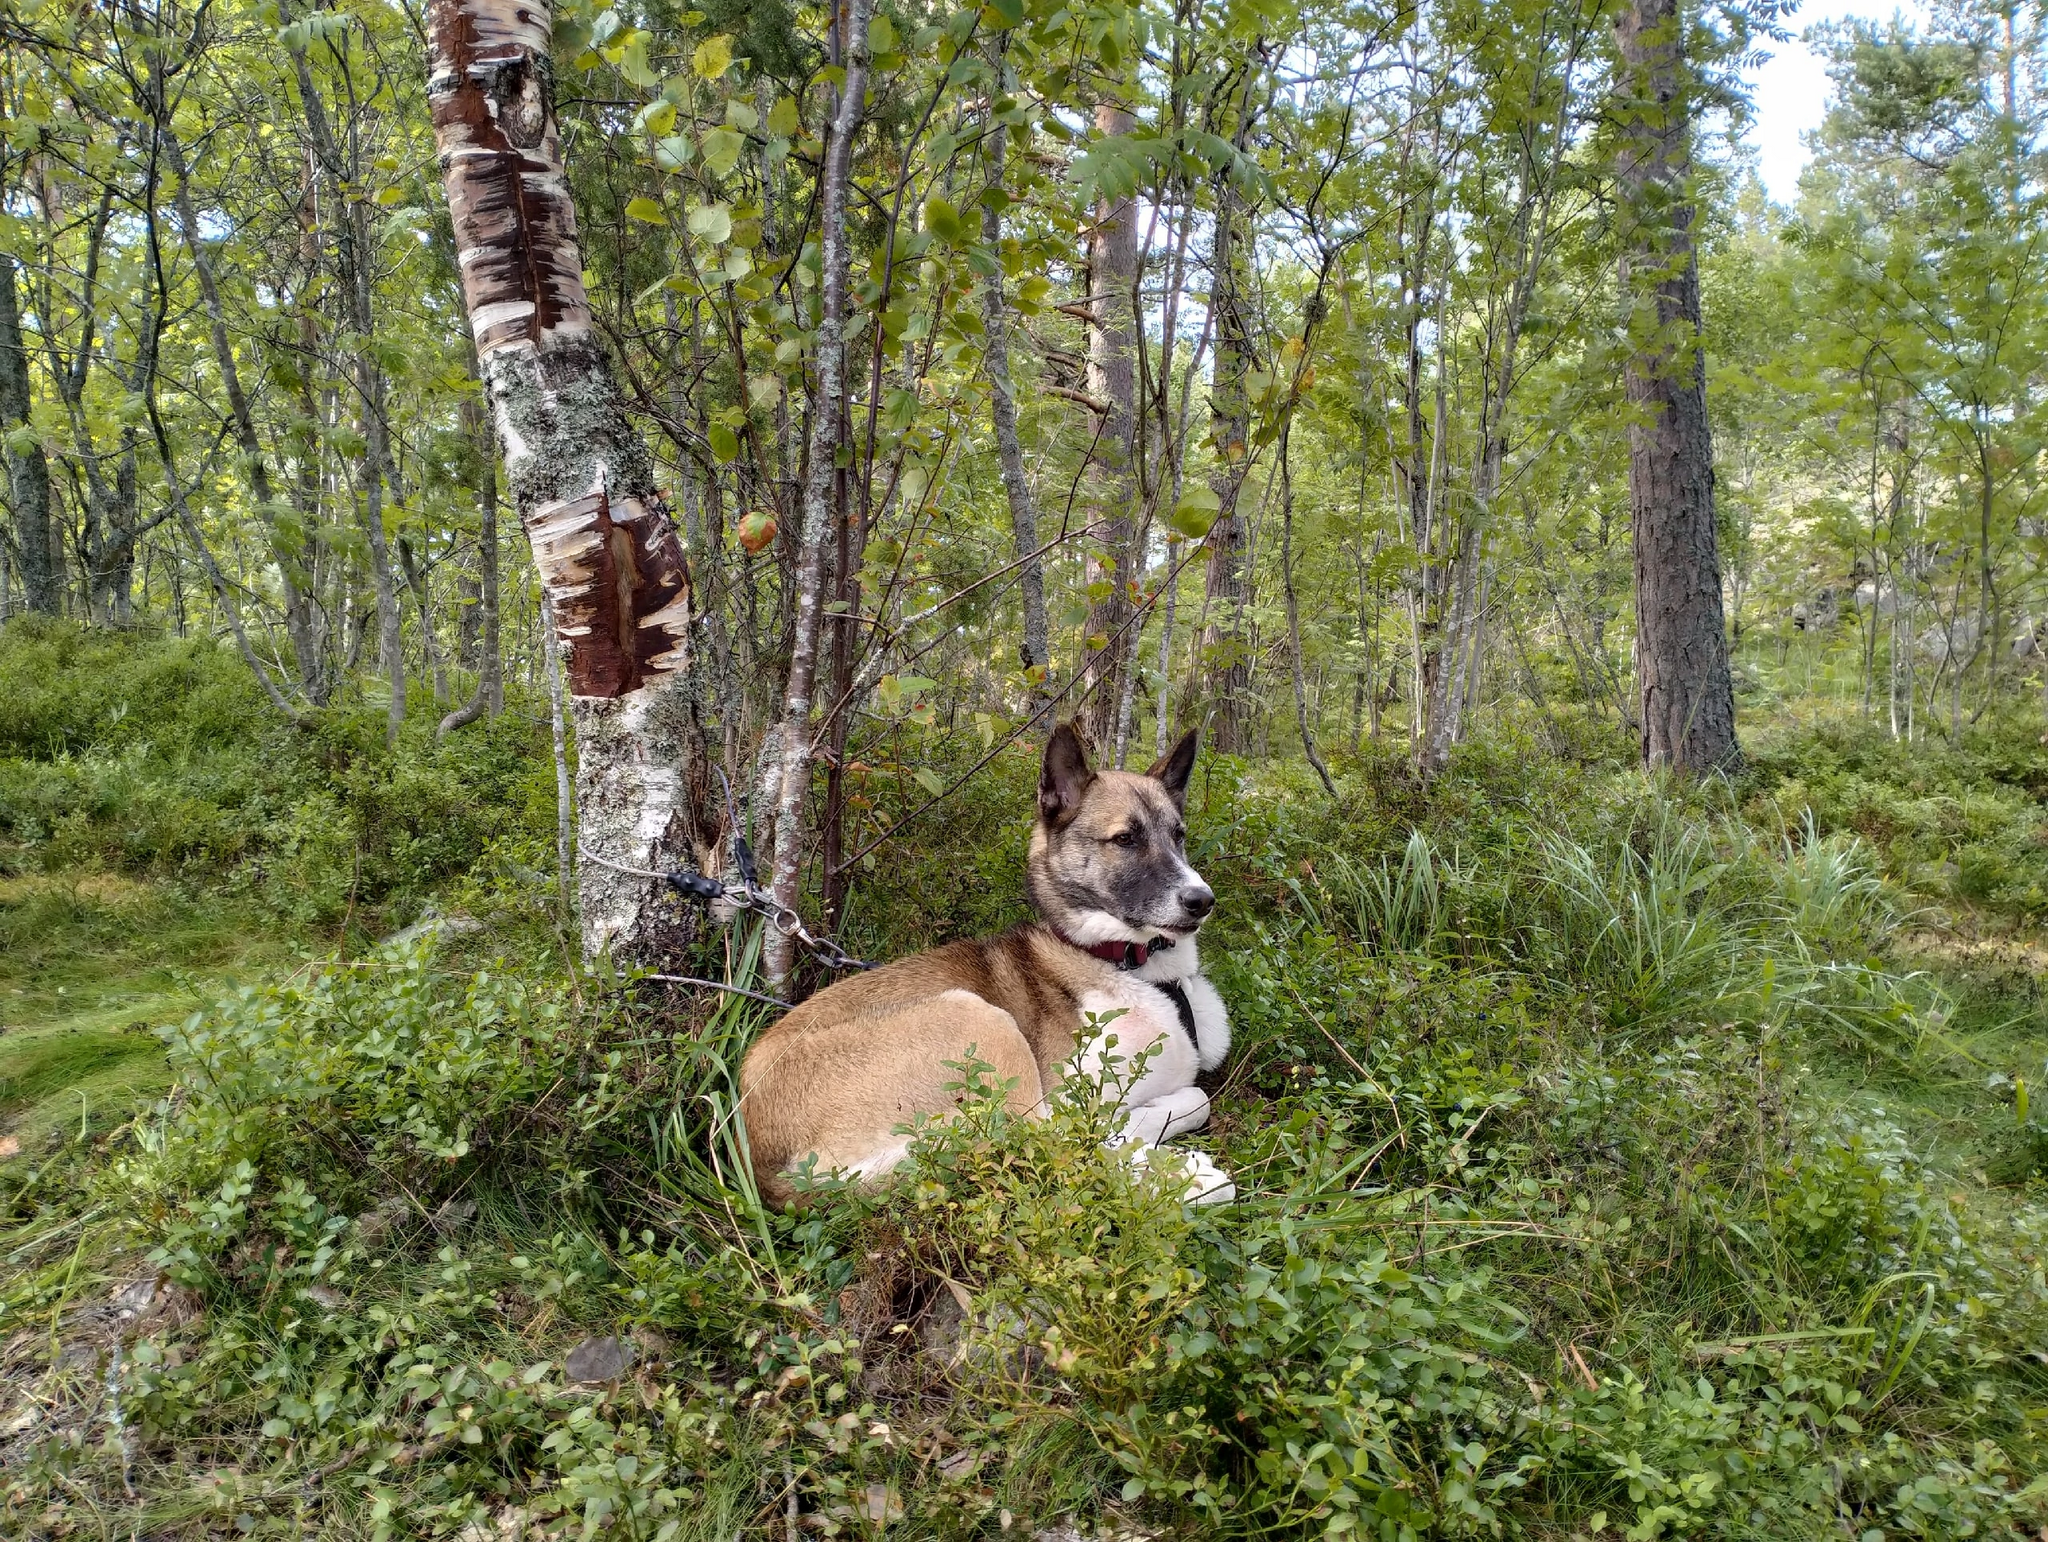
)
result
[(1112, 276), (28, 468), (607, 554), (1683, 681)]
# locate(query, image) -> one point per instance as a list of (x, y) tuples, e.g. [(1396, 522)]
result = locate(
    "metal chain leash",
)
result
[(746, 894)]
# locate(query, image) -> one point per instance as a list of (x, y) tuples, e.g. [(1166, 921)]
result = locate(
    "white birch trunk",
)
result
[(608, 556)]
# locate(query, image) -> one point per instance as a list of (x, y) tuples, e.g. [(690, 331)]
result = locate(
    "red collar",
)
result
[(1125, 955)]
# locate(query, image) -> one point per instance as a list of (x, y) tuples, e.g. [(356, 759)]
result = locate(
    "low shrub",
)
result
[(158, 756)]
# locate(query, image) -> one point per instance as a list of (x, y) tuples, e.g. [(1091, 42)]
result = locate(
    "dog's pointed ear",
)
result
[(1065, 776), (1173, 769)]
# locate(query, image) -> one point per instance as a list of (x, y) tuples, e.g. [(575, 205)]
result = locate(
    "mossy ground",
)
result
[(92, 965)]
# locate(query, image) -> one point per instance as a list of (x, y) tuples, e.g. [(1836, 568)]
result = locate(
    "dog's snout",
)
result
[(1198, 901)]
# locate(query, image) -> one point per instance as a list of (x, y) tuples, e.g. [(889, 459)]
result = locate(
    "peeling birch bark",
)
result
[(606, 550)]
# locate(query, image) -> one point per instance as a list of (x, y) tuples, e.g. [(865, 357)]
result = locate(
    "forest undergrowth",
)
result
[(1614, 1159)]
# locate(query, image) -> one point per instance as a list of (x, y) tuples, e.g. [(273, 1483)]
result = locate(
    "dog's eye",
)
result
[(1123, 838), (1179, 836)]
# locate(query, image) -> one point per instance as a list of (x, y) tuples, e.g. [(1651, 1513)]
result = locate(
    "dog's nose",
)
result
[(1198, 902)]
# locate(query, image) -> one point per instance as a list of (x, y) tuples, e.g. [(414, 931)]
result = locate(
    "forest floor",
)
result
[(1615, 1160), (93, 967)]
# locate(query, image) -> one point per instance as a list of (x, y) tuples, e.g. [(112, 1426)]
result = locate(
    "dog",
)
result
[(834, 1086)]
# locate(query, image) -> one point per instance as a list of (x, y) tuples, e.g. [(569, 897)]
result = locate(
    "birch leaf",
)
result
[(647, 211), (631, 60), (784, 119)]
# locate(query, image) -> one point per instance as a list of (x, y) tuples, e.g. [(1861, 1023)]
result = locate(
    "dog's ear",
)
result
[(1173, 769), (1065, 776)]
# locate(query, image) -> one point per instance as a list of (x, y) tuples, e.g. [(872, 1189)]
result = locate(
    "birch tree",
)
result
[(607, 554)]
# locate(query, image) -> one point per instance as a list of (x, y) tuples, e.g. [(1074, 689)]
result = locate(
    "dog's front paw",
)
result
[(1206, 1183)]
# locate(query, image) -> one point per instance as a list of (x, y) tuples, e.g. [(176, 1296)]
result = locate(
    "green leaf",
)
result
[(1195, 512), (712, 221), (647, 211), (673, 152), (929, 780), (631, 60), (784, 119), (722, 149), (725, 444), (1000, 15), (881, 36), (712, 57), (942, 219)]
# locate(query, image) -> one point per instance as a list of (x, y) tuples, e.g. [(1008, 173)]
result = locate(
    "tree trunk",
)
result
[(1112, 276), (1683, 681), (28, 468), (299, 620), (789, 757), (1033, 652), (607, 555), (1224, 584), (1301, 720), (353, 248), (489, 700)]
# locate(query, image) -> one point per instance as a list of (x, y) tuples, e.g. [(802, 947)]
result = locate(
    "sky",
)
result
[(1791, 90)]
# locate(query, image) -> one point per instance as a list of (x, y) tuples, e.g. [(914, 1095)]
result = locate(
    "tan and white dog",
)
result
[(837, 1082)]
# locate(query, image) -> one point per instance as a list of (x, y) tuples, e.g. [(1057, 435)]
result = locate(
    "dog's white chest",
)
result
[(1132, 1036)]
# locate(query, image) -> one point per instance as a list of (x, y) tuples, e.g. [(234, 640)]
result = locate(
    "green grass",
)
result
[(91, 966)]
